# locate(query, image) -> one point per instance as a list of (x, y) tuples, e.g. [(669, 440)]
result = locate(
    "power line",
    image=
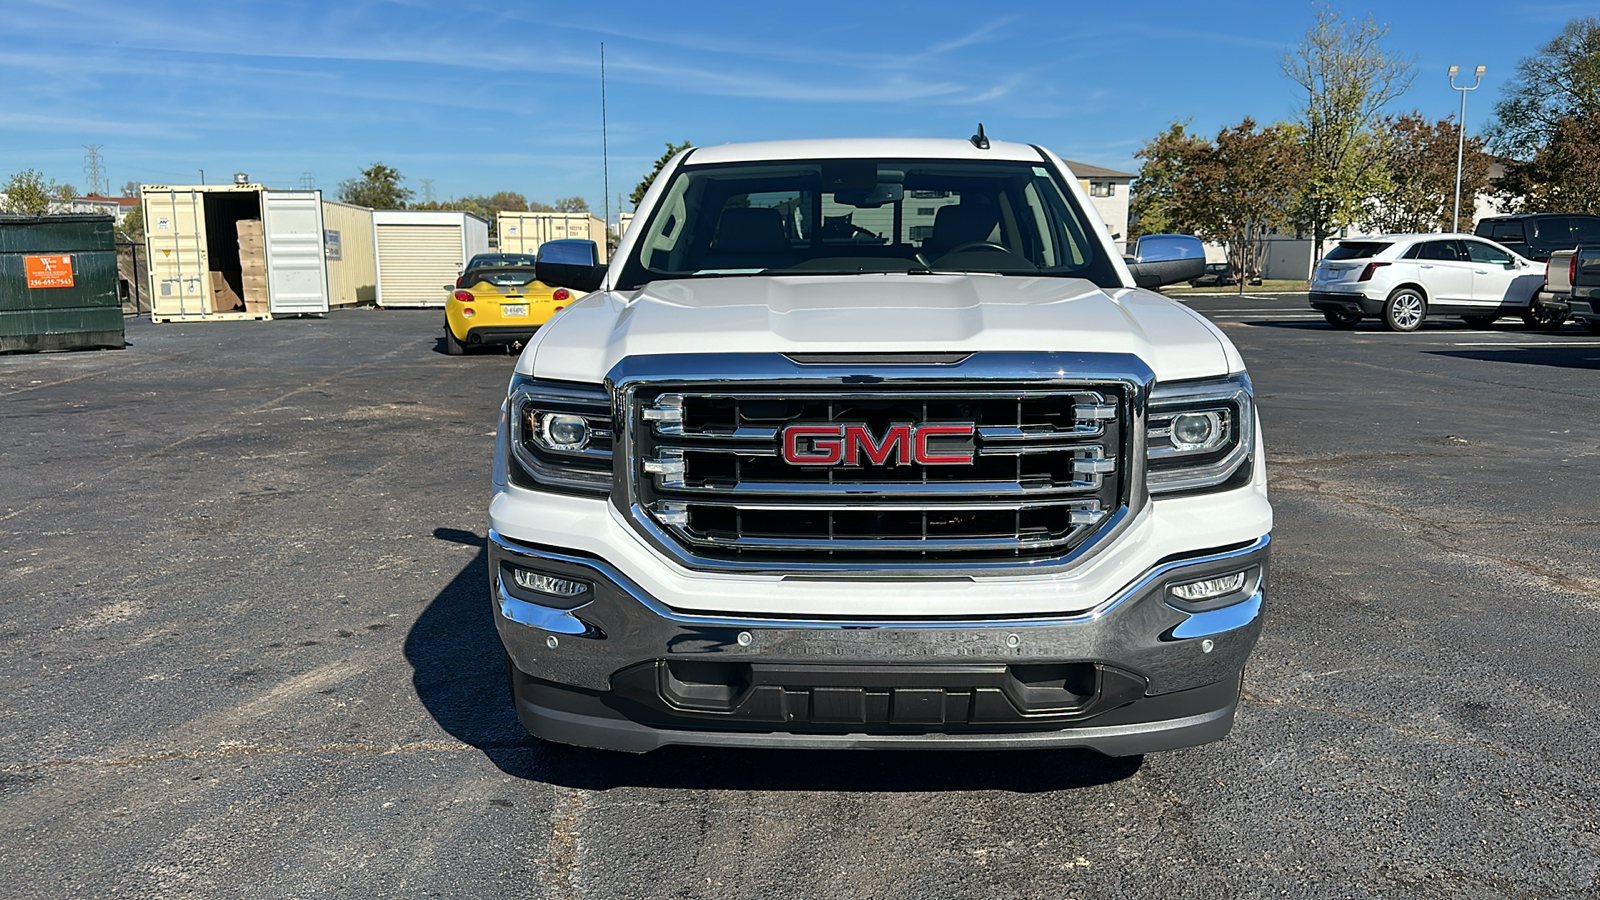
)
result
[(93, 171)]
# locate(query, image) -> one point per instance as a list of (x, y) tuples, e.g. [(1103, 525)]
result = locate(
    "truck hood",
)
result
[(876, 314)]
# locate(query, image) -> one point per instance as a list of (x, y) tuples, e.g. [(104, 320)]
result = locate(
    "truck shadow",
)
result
[(459, 675), (1548, 355)]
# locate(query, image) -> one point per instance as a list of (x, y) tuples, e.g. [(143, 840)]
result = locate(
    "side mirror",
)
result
[(571, 264), (1163, 259)]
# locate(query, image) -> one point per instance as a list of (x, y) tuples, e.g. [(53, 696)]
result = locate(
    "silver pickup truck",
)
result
[(1572, 277)]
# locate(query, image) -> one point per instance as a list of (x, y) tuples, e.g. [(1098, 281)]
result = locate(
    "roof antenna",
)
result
[(979, 140)]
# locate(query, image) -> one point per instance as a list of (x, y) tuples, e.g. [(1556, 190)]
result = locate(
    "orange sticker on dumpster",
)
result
[(48, 271)]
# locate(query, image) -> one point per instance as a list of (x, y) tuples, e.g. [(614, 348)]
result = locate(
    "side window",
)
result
[(1483, 253), (1442, 251), (1588, 231), (1554, 230), (1505, 231)]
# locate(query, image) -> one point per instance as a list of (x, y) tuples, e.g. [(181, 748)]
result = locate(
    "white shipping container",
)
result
[(523, 232), (193, 242), (420, 253)]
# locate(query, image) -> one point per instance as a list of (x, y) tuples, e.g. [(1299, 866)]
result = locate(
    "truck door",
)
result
[(297, 264)]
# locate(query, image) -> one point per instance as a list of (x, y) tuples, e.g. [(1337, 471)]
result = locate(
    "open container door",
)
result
[(297, 264), (175, 244)]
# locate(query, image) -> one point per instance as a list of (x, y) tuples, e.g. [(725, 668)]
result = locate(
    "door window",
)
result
[(1443, 251), (1484, 253), (1505, 231)]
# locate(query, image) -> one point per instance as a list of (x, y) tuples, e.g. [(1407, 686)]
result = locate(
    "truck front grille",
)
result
[(1041, 469)]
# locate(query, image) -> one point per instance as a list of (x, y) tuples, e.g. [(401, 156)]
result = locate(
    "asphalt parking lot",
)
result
[(248, 651)]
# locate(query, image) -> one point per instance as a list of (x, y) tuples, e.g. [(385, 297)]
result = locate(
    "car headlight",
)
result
[(1200, 435), (560, 435)]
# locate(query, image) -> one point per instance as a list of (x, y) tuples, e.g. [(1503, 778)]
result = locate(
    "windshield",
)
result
[(854, 216)]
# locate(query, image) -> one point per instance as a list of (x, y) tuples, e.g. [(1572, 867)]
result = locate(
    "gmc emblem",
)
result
[(854, 445)]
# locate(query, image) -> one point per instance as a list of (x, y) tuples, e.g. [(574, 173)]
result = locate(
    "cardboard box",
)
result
[(255, 292), (223, 299), (250, 228)]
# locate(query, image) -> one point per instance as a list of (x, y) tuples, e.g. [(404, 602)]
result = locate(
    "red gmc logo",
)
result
[(855, 445)]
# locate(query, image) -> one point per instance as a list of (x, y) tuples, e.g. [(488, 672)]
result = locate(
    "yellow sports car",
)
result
[(497, 300)]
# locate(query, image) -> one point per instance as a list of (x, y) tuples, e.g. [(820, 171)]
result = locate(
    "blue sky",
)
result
[(482, 97)]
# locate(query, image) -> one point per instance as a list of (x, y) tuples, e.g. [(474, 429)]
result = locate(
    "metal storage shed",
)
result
[(58, 283), (213, 248), (347, 243), (523, 232), (420, 253)]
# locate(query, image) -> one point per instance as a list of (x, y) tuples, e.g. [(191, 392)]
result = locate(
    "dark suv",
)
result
[(1537, 235)]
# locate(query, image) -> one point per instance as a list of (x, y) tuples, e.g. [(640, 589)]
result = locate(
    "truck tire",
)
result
[(1542, 317), (1405, 309)]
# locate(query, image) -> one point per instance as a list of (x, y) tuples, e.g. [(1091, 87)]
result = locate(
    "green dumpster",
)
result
[(58, 283)]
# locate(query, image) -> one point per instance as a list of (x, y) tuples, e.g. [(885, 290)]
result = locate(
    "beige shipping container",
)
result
[(421, 252), (205, 265), (352, 261), (523, 232)]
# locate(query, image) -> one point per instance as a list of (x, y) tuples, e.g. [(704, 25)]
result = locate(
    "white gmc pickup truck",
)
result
[(877, 443)]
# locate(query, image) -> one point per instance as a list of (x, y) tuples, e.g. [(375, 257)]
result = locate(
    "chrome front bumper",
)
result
[(1165, 677)]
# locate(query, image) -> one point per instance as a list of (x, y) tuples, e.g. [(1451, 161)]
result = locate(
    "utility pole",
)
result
[(1461, 131), (427, 190), (92, 170), (202, 176), (605, 158)]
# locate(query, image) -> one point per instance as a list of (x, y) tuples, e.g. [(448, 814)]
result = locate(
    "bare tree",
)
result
[(1348, 79)]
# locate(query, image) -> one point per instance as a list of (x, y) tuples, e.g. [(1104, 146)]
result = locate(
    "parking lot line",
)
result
[(1552, 342)]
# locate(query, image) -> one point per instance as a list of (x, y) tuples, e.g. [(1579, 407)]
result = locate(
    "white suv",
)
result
[(1406, 277)]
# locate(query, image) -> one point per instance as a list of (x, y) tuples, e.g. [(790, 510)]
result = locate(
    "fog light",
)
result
[(1196, 430), (563, 431), (1210, 588), (549, 584)]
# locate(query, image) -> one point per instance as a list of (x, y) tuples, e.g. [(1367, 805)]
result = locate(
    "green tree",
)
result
[(1240, 189), (1546, 122), (1415, 190), (29, 193), (1564, 173), (639, 190), (1560, 82), (536, 206), (1347, 79), (378, 188), (1154, 204), (65, 193), (131, 228), (572, 204), (506, 200)]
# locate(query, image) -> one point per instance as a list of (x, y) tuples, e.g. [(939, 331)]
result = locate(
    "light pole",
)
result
[(1461, 130)]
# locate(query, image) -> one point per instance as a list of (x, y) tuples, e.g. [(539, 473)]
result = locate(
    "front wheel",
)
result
[(1537, 316), (1405, 309), (1345, 320)]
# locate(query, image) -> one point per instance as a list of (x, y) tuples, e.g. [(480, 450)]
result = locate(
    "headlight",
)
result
[(560, 435), (1200, 434)]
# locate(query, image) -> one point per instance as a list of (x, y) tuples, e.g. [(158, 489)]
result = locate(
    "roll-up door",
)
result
[(417, 263)]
